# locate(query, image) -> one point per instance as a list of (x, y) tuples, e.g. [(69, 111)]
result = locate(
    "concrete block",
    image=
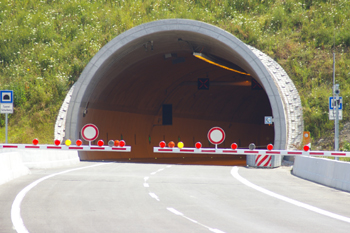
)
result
[(43, 159), (332, 173), (11, 166)]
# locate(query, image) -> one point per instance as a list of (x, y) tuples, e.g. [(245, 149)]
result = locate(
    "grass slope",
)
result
[(45, 45)]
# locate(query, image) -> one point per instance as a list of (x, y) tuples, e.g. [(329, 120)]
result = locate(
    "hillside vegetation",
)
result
[(45, 45)]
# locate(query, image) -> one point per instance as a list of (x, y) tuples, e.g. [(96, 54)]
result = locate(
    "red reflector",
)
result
[(162, 144), (35, 141), (234, 146), (100, 143), (198, 145), (122, 143), (270, 147)]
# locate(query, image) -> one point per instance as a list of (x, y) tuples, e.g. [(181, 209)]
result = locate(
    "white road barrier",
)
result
[(249, 152), (63, 147)]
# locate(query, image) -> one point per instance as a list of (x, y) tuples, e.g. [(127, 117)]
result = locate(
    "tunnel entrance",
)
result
[(149, 85)]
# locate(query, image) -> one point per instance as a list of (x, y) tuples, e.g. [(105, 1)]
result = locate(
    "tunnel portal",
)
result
[(173, 80)]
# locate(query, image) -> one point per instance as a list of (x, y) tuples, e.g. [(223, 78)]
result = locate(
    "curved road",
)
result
[(126, 197)]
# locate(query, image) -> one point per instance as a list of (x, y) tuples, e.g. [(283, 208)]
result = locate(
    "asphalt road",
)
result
[(126, 197)]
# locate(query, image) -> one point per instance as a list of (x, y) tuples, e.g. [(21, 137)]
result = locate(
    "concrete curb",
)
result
[(16, 163), (332, 173)]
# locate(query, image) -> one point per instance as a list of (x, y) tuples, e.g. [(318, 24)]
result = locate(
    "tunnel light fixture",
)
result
[(216, 62)]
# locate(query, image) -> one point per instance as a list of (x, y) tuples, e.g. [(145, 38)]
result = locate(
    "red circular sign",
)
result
[(216, 135), (89, 132)]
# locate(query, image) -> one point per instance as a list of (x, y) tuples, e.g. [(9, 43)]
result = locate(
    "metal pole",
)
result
[(336, 120), (336, 128), (334, 106), (6, 121)]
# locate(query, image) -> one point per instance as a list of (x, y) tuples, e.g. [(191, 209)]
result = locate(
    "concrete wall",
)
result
[(332, 173), (11, 166), (16, 163)]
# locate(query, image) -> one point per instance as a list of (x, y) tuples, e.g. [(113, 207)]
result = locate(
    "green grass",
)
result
[(45, 45)]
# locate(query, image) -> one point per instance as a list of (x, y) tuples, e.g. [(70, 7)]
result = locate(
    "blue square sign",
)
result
[(6, 97), (332, 103)]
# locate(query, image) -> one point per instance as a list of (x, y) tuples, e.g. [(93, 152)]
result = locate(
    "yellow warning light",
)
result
[(68, 142), (180, 145)]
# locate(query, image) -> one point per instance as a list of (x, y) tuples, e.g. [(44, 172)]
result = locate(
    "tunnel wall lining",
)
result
[(93, 72)]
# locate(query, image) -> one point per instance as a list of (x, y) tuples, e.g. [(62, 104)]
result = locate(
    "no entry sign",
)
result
[(89, 132), (216, 135)]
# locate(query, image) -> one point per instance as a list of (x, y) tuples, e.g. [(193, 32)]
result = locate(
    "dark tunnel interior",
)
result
[(159, 90)]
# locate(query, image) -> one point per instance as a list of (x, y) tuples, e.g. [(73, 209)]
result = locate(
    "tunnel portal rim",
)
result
[(91, 72)]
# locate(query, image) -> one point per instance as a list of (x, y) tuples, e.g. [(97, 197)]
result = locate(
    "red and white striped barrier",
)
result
[(249, 152), (63, 147), (263, 161)]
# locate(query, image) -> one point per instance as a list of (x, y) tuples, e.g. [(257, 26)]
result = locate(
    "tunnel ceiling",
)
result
[(153, 64), (174, 79)]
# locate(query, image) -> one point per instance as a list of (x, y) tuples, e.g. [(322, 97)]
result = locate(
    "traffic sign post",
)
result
[(333, 102), (216, 136), (6, 107), (89, 132)]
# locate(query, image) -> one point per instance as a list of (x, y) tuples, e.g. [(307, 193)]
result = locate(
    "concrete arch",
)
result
[(141, 45)]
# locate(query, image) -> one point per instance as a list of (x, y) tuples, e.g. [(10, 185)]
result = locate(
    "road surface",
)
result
[(128, 197)]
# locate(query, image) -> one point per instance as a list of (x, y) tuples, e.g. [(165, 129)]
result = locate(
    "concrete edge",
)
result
[(17, 163), (332, 173)]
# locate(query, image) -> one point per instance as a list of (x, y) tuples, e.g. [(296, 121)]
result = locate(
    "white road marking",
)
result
[(174, 211), (154, 196), (146, 185), (16, 218), (234, 173)]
